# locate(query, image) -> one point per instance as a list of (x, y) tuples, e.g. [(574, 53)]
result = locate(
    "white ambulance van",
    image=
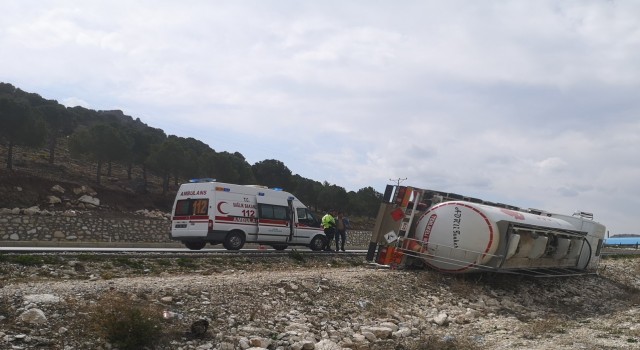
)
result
[(206, 211)]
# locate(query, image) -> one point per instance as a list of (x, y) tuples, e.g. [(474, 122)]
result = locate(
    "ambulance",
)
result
[(206, 211)]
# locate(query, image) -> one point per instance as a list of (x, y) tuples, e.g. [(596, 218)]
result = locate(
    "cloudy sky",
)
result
[(532, 103)]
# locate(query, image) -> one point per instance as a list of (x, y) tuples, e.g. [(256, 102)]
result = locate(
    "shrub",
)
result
[(544, 328), (4, 305), (187, 263), (134, 264), (440, 343), (27, 260), (107, 275), (163, 262), (296, 256), (88, 257), (125, 324)]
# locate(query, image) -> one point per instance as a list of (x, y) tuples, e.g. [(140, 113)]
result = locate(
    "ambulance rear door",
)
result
[(274, 218), (191, 217)]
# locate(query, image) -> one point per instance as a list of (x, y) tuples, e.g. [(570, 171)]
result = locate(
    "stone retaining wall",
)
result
[(83, 229), (92, 228)]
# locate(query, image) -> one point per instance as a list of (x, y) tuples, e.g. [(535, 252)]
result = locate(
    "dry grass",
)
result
[(441, 343), (126, 324), (545, 328)]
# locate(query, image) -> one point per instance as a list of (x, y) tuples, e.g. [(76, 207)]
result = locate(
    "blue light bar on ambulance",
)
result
[(277, 189), (205, 179), (224, 189)]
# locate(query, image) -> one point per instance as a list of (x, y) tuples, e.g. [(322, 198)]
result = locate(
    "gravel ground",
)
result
[(296, 302)]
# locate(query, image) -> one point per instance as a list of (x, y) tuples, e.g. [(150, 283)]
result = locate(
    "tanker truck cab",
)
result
[(206, 211)]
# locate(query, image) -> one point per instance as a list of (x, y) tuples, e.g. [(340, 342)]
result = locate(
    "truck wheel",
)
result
[(234, 240), (317, 243), (279, 246), (195, 245)]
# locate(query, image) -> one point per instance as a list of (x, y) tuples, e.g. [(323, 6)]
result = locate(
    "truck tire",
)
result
[(279, 246), (234, 240), (195, 245), (317, 243)]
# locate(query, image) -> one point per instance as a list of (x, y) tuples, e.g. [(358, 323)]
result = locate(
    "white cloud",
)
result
[(551, 165), (530, 103)]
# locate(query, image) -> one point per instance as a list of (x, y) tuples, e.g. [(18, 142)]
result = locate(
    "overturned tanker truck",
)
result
[(456, 234)]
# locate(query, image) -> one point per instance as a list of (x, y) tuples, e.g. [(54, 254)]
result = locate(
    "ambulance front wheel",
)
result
[(317, 243), (195, 245), (234, 241)]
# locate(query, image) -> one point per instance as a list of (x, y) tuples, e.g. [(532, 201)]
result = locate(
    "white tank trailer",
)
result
[(456, 234)]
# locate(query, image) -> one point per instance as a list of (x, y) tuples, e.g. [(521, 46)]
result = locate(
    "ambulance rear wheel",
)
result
[(195, 245), (317, 243), (279, 246), (234, 241)]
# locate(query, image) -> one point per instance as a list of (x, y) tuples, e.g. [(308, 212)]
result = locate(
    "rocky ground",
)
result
[(298, 302)]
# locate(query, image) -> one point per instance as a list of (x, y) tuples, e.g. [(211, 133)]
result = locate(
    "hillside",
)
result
[(32, 178), (133, 165), (31, 183)]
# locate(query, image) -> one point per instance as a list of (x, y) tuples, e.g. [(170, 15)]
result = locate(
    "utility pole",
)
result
[(398, 180)]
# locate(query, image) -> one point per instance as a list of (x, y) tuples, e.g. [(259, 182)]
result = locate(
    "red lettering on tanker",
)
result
[(515, 214), (193, 193), (457, 221), (427, 230)]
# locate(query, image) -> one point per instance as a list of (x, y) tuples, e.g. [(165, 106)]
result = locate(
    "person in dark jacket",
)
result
[(342, 224)]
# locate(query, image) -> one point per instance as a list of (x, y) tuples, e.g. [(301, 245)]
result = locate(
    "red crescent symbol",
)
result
[(220, 208)]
